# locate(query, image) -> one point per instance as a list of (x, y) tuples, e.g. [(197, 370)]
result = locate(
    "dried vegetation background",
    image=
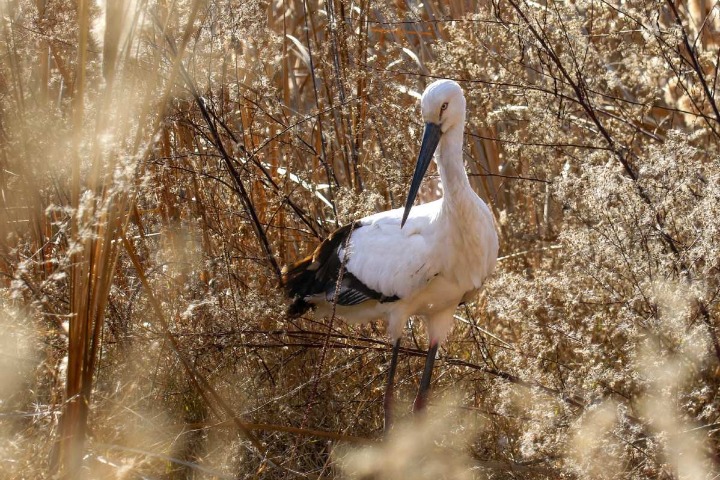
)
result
[(160, 161)]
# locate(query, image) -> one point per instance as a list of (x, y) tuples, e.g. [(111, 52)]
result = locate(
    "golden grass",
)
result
[(160, 161)]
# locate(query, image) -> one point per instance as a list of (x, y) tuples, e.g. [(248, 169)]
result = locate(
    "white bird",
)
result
[(408, 261)]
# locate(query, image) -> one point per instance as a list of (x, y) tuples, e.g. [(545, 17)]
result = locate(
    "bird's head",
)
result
[(443, 106)]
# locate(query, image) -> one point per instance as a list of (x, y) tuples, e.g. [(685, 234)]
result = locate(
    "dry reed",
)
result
[(159, 162)]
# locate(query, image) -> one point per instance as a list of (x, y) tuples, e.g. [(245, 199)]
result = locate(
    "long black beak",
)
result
[(430, 141)]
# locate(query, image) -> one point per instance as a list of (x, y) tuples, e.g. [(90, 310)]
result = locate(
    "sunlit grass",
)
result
[(159, 162)]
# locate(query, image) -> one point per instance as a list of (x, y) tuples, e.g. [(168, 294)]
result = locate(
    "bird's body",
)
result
[(423, 260), (421, 264)]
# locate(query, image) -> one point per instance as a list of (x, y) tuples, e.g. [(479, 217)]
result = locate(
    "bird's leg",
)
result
[(421, 398), (390, 387)]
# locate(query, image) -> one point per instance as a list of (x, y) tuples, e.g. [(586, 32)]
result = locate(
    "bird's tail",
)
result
[(297, 279)]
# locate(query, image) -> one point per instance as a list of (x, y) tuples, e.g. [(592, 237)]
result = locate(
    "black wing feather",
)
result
[(318, 274)]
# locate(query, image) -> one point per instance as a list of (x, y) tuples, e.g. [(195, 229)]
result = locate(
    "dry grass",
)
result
[(160, 161)]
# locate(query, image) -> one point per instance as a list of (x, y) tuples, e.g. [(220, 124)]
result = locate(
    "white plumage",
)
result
[(422, 260)]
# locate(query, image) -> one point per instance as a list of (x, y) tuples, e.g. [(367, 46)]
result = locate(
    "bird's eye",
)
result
[(444, 106)]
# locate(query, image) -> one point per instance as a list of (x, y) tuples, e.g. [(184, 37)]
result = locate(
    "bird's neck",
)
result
[(455, 181)]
